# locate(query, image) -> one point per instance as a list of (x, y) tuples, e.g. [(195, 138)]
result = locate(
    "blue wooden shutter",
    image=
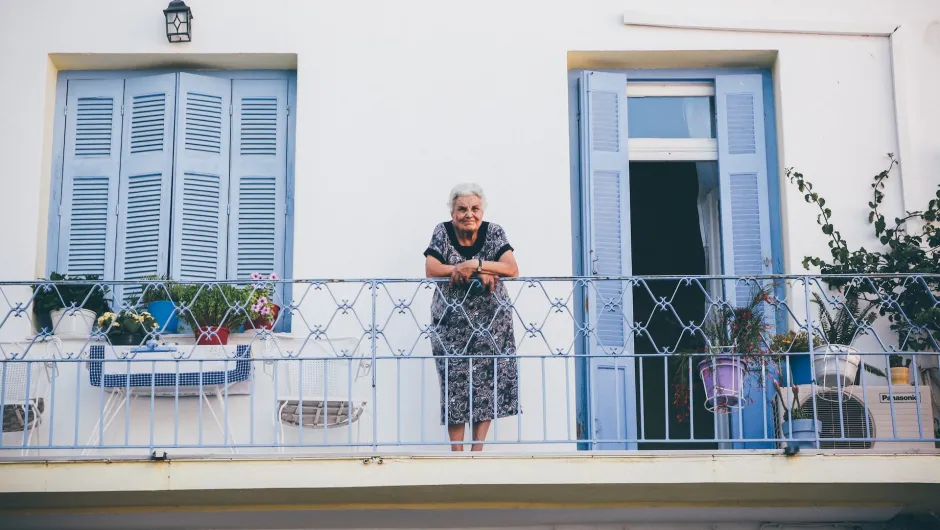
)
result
[(742, 167), (146, 178), (90, 177), (200, 178), (259, 178), (606, 188), (606, 172)]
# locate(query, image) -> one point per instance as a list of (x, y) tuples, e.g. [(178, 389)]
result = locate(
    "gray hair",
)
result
[(462, 190)]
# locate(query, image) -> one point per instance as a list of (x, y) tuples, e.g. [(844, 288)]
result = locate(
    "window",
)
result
[(671, 121), (176, 173)]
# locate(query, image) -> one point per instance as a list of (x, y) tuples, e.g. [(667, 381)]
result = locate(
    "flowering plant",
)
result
[(262, 304), (794, 342), (126, 323), (726, 330)]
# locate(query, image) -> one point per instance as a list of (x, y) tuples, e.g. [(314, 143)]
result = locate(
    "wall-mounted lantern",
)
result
[(179, 22)]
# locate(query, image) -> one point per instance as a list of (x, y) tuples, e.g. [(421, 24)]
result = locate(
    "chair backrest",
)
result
[(333, 369), (13, 381)]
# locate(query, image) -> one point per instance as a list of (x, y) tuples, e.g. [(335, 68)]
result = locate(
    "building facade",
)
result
[(635, 154)]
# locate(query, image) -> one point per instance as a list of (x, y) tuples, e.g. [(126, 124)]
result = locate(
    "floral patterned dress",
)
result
[(471, 321)]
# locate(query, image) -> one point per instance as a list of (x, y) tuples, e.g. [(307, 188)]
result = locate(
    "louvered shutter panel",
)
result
[(259, 177), (91, 166), (200, 178), (606, 184), (742, 167), (146, 178), (606, 168)]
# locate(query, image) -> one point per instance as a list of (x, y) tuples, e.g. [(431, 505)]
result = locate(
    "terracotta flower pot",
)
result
[(212, 336), (263, 323)]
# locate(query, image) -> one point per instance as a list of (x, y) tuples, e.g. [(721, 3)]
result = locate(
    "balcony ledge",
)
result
[(431, 482)]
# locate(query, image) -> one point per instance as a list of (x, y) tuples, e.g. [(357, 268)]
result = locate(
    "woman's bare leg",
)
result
[(456, 433), (479, 434)]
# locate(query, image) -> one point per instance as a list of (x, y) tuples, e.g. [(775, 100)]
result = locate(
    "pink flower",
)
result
[(256, 308), (273, 276), (265, 311), (255, 276), (263, 301)]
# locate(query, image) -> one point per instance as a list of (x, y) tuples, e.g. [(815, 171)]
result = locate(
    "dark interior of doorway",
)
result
[(667, 240)]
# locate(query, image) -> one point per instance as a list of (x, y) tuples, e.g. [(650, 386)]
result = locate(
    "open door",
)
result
[(605, 189)]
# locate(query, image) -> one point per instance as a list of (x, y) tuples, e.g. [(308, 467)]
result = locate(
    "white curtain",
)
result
[(709, 221)]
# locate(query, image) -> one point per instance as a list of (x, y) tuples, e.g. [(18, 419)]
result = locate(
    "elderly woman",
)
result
[(471, 320)]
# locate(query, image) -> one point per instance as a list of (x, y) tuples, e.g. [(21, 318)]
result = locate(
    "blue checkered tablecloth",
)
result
[(240, 372)]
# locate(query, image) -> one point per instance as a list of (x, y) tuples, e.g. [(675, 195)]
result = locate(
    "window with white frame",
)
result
[(672, 121), (177, 174)]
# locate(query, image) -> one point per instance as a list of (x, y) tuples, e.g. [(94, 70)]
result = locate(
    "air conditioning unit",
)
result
[(873, 413)]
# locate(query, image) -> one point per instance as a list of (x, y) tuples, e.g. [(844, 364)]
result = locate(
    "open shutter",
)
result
[(742, 167), (146, 177), (90, 177), (200, 178), (259, 178), (606, 185)]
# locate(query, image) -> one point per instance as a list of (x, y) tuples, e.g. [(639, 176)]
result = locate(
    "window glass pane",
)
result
[(670, 117)]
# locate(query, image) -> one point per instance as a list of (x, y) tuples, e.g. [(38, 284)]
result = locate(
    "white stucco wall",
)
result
[(397, 101)]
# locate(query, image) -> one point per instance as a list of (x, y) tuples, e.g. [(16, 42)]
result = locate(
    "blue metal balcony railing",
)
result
[(811, 363)]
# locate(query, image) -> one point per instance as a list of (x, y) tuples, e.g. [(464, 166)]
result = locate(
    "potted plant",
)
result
[(213, 310), (262, 309), (733, 337), (68, 308), (160, 298), (799, 426), (839, 362), (793, 347), (900, 368), (127, 328), (910, 244)]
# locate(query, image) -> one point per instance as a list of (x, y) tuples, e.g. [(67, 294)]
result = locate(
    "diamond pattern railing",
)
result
[(332, 366)]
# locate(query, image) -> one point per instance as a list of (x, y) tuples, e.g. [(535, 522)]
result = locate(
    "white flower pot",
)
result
[(836, 365), (73, 323)]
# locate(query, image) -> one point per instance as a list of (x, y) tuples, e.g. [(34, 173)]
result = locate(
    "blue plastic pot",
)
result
[(162, 312), (801, 433), (801, 369)]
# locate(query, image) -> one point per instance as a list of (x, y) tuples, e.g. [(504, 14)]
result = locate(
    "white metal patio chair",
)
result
[(23, 389), (327, 389)]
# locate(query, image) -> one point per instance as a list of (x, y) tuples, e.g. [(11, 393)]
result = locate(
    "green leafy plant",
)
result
[(223, 305), (909, 245), (161, 288), (66, 291), (794, 412), (740, 329), (898, 361), (847, 323)]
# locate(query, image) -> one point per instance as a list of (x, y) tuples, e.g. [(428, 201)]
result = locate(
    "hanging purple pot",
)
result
[(723, 376)]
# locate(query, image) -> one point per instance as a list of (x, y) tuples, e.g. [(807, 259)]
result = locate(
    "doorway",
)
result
[(671, 230)]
